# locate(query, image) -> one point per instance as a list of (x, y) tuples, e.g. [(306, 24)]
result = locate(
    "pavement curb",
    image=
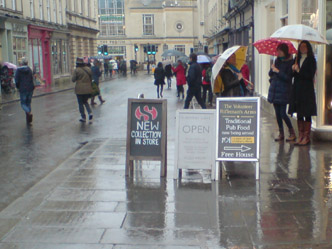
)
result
[(45, 94)]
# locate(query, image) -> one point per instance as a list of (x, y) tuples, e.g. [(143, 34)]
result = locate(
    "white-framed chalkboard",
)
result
[(146, 132), (195, 141), (238, 129)]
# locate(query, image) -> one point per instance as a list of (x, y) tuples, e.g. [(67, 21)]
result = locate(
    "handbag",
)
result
[(95, 89)]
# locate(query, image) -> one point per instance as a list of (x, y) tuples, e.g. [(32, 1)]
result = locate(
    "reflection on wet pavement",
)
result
[(87, 202)]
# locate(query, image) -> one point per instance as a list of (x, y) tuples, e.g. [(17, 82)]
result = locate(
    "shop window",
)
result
[(60, 57), (19, 49), (36, 60), (117, 50), (310, 13)]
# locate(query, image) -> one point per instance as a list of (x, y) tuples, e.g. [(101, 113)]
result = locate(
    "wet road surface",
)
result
[(65, 185)]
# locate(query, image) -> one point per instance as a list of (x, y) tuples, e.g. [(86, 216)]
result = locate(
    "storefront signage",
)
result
[(195, 140), (238, 129), (19, 28), (146, 132)]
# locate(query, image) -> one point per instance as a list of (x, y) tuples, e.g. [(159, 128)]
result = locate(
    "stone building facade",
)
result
[(166, 24)]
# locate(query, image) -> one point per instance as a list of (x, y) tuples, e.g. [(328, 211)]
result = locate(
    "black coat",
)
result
[(159, 76), (194, 77), (24, 79), (232, 85), (303, 99), (168, 71), (281, 83)]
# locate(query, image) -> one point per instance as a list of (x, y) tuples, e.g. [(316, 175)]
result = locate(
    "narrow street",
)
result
[(63, 185)]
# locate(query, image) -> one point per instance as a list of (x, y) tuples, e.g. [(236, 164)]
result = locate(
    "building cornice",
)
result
[(82, 28), (68, 12), (147, 38)]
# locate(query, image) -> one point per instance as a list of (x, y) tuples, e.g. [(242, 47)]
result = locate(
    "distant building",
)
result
[(162, 24)]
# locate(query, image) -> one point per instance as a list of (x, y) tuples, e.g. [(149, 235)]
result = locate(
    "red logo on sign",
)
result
[(146, 114)]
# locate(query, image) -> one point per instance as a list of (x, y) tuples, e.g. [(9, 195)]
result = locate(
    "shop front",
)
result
[(39, 51), (13, 39), (318, 15), (60, 58)]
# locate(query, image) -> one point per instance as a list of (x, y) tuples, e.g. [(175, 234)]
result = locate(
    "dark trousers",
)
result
[(281, 115), (190, 94), (180, 90), (205, 89), (82, 100)]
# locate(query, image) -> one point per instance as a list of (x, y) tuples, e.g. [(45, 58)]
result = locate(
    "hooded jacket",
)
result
[(24, 79)]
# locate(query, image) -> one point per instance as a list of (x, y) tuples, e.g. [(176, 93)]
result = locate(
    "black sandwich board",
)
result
[(147, 132)]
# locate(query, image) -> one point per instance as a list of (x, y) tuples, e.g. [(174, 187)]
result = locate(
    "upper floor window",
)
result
[(55, 10), (48, 9), (41, 13), (32, 9), (148, 25), (60, 12), (3, 3)]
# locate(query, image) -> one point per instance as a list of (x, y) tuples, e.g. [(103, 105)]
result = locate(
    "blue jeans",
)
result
[(281, 115), (82, 100), (26, 98)]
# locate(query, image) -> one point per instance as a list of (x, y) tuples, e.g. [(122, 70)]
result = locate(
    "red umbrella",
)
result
[(269, 46)]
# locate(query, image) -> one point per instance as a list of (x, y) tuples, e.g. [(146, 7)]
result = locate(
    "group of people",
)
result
[(292, 82), (229, 82)]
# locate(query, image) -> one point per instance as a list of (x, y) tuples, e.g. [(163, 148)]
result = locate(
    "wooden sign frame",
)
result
[(163, 146)]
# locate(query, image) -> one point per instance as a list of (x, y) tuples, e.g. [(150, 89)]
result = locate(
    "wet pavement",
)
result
[(63, 185)]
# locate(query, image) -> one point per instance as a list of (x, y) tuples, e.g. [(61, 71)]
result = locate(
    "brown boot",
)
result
[(300, 127), (101, 99), (280, 137), (306, 134), (292, 136)]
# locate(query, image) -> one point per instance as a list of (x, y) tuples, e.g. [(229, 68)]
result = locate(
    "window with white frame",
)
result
[(60, 12), (55, 10), (148, 24), (41, 12), (3, 3), (180, 48), (48, 10), (82, 7), (14, 4), (32, 9), (89, 7)]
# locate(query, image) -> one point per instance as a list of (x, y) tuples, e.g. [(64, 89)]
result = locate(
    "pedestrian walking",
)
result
[(159, 76), (148, 67), (207, 73), (105, 68), (303, 100), (169, 74), (24, 83), (115, 67), (110, 68), (180, 78), (231, 79), (194, 79), (246, 74), (82, 75), (96, 73), (280, 87)]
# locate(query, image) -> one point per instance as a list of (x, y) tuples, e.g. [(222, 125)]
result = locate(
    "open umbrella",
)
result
[(10, 65), (203, 59), (172, 52), (239, 51), (269, 46), (167, 62), (299, 32), (184, 59)]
